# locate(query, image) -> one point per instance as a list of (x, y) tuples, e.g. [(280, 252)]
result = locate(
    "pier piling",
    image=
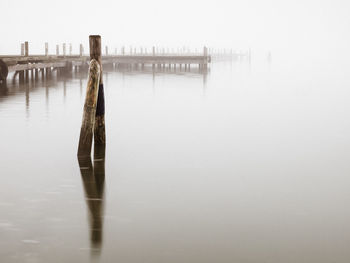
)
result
[(26, 49), (64, 49), (22, 49), (46, 49)]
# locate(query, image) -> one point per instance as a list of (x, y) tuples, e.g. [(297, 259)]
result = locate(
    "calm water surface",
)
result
[(248, 163)]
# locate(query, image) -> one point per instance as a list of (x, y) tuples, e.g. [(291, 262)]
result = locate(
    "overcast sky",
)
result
[(312, 27)]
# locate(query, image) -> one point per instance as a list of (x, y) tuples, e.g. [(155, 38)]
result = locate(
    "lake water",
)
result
[(247, 163)]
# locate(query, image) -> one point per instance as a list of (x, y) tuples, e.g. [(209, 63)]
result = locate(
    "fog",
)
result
[(295, 29)]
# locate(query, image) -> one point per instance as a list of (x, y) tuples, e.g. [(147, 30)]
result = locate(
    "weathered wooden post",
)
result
[(26, 49), (57, 50), (46, 49), (99, 132)]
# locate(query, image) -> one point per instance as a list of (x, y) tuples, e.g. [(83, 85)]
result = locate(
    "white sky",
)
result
[(312, 27)]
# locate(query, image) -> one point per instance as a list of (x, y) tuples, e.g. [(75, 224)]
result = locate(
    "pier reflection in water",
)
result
[(52, 78)]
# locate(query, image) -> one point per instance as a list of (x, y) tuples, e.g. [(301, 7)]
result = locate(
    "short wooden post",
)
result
[(22, 49), (205, 53), (26, 49), (46, 49), (99, 132), (87, 126), (57, 50), (64, 49)]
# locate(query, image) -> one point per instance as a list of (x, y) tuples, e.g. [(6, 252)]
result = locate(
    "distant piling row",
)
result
[(157, 57)]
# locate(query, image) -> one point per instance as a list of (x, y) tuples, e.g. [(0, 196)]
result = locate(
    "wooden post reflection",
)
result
[(93, 178)]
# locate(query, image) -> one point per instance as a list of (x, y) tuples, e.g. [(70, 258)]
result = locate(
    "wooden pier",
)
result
[(26, 63)]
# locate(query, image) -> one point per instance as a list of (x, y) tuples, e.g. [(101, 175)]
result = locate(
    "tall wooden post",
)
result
[(46, 49), (57, 50), (99, 131), (26, 49)]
